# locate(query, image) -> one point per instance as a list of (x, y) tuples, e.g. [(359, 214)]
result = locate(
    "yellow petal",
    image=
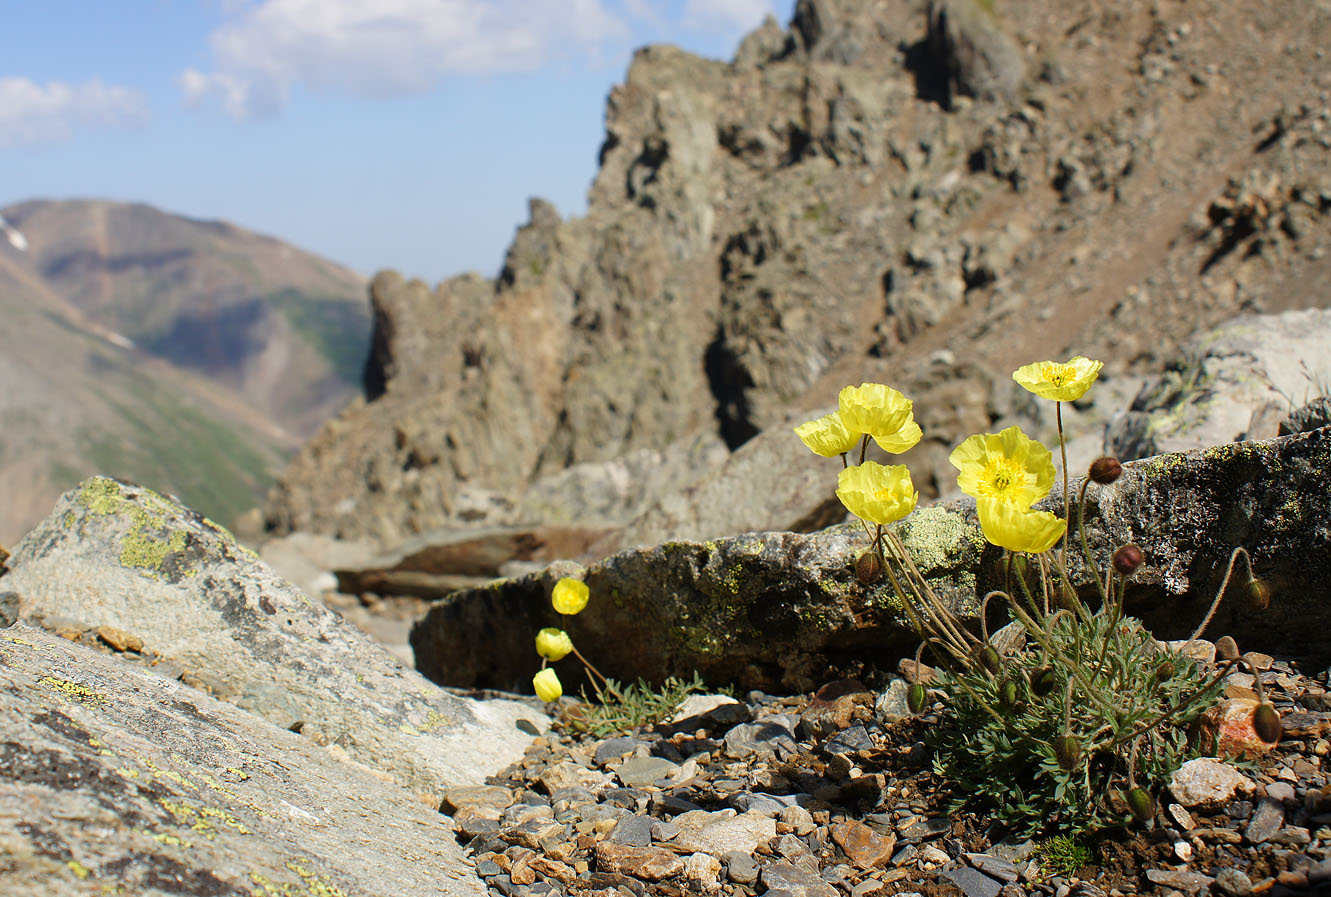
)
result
[(1007, 466), (547, 685), (874, 409), (903, 440), (1019, 529), (827, 435), (570, 596), (553, 644), (878, 493), (1060, 381)]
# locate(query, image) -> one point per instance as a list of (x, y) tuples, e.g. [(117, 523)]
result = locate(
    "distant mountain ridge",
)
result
[(191, 356)]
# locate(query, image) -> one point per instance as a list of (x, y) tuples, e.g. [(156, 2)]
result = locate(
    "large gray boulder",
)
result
[(1237, 381), (116, 555), (785, 610), (119, 780), (980, 59)]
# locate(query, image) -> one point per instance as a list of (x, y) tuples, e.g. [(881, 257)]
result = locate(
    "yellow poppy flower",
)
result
[(903, 439), (875, 409), (553, 644), (570, 596), (827, 436), (1007, 466), (1019, 529), (547, 686), (1064, 382), (878, 493)]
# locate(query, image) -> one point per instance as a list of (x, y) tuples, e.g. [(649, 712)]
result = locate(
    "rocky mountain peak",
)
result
[(926, 194)]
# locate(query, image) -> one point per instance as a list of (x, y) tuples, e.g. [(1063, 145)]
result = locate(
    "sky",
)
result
[(402, 134)]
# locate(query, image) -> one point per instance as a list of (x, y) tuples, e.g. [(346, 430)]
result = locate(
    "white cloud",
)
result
[(386, 47), (33, 114), (742, 14)]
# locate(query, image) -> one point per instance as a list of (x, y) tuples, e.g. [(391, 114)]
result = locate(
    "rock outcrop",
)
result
[(782, 610), (1238, 381), (119, 565), (115, 779), (809, 215)]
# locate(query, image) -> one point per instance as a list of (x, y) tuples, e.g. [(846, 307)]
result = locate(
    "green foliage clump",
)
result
[(1058, 736), (623, 708), (1063, 855)]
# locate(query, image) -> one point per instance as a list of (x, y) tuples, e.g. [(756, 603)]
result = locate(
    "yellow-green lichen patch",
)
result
[(200, 819), (152, 538), (935, 536), (80, 871), (315, 885), (172, 840), (74, 690), (171, 775), (101, 496)]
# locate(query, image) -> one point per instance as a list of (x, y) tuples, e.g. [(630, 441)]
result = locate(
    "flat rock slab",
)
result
[(115, 554), (114, 779), (778, 610)]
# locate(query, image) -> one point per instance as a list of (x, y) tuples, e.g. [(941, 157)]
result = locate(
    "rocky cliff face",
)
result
[(924, 195)]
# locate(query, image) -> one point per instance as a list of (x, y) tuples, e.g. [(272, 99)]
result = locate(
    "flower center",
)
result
[(882, 494), (1058, 374), (1002, 479)]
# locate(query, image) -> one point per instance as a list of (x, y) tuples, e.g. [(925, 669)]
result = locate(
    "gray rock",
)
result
[(971, 882), (1311, 416), (114, 554), (633, 830), (613, 748), (9, 608), (794, 880), (764, 735), (741, 867), (149, 785), (1235, 382), (637, 772), (981, 60), (1266, 820), (1233, 882), (767, 610)]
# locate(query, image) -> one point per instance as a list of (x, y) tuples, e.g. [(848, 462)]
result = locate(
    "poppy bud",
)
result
[(1067, 750), (1164, 672), (1266, 723), (1226, 648), (1043, 680), (1127, 559), (868, 568), (1259, 593), (915, 697), (989, 659), (1009, 696), (1105, 470), (1140, 804)]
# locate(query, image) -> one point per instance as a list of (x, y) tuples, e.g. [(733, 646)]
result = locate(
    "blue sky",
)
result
[(404, 134)]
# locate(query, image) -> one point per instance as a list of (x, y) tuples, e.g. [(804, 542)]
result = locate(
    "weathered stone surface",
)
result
[(779, 609), (979, 57), (1208, 785), (114, 554), (1236, 382), (722, 832), (115, 778)]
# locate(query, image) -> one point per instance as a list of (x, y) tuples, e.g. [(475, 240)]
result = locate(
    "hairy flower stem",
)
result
[(593, 670), (929, 599), (1220, 593), (1085, 543), (934, 618)]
